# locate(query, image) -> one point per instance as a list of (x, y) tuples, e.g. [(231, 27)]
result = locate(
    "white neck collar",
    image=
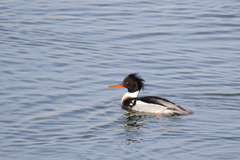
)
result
[(130, 95)]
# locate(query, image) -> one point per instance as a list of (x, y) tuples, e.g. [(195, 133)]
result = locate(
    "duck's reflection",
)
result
[(130, 141), (135, 126), (135, 120), (131, 123)]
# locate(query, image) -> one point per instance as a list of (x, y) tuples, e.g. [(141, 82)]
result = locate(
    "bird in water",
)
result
[(148, 104)]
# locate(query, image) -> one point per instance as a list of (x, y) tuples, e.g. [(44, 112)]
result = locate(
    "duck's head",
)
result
[(133, 82)]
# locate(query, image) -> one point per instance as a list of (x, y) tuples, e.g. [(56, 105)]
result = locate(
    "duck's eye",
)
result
[(127, 82)]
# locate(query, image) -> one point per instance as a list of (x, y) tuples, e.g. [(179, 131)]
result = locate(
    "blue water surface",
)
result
[(59, 57)]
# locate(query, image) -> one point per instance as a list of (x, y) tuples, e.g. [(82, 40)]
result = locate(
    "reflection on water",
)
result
[(134, 120), (135, 123), (139, 117), (130, 141)]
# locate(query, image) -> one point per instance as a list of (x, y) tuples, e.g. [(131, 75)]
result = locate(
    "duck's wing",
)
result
[(164, 102)]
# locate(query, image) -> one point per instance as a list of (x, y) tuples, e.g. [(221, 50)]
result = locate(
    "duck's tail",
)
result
[(183, 112), (189, 111)]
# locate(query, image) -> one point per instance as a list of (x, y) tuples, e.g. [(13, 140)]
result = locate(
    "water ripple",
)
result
[(59, 57)]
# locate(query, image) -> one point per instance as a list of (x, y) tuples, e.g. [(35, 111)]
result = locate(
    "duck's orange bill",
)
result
[(116, 86)]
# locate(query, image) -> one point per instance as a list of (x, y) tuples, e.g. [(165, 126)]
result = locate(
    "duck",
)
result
[(147, 104)]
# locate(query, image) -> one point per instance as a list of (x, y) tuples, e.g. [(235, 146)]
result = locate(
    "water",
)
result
[(58, 57)]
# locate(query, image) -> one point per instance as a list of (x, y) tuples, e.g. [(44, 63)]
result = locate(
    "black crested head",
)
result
[(133, 82)]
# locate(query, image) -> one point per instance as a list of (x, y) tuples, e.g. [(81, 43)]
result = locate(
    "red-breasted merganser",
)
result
[(150, 104)]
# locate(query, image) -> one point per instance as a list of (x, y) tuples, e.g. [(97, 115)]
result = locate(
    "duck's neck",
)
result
[(130, 95)]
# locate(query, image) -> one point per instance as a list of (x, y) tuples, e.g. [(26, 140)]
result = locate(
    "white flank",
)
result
[(151, 108)]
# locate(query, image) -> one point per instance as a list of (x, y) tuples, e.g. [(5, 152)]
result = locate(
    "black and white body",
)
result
[(149, 104)]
